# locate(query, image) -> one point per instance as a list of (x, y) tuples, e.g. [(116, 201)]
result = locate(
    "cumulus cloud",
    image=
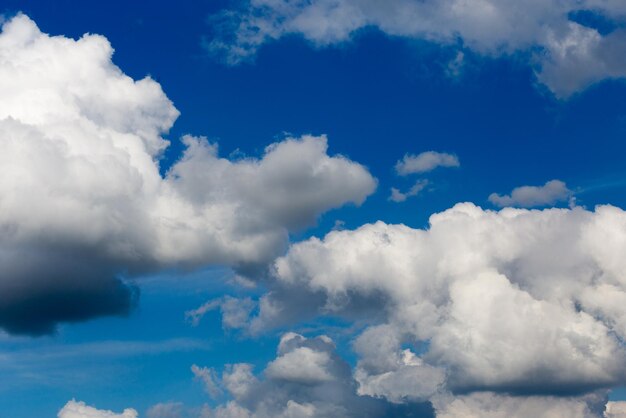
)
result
[(74, 409), (83, 203), (307, 379), (509, 301), (568, 54), (387, 371), (424, 162), (398, 197), (554, 191)]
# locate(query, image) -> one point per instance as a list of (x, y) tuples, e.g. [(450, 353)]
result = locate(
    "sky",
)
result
[(313, 208)]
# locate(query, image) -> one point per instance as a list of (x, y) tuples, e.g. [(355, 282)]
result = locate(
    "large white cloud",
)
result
[(517, 301), (82, 200), (569, 55), (74, 409)]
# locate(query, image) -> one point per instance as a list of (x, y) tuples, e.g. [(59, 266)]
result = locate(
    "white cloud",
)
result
[(386, 370), (300, 365), (83, 200), (509, 301), (554, 191), (567, 55), (74, 409), (424, 162), (398, 197)]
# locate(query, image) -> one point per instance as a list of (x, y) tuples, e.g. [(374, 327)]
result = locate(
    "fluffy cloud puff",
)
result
[(74, 409), (554, 191), (82, 200), (568, 54), (307, 379), (525, 302)]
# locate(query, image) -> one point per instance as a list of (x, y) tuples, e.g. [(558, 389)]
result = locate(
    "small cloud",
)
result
[(424, 162), (339, 225), (554, 191), (235, 312), (455, 65), (74, 409), (398, 197)]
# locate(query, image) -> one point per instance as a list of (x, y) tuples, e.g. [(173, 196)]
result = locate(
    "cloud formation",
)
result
[(551, 193), (306, 379), (490, 405), (83, 205), (522, 302), (567, 52), (424, 162), (74, 409)]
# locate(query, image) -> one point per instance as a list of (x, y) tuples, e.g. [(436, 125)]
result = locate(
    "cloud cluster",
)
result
[(551, 193), (82, 201), (518, 302), (568, 52), (74, 409), (306, 379)]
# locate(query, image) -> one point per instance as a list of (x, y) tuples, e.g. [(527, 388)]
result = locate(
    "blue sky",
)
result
[(378, 91)]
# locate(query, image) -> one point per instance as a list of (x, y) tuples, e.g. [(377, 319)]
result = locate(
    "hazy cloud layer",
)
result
[(568, 54), (490, 405), (178, 410), (82, 201), (551, 193)]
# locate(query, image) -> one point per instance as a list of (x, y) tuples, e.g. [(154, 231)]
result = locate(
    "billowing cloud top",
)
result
[(82, 200), (515, 301), (568, 55)]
